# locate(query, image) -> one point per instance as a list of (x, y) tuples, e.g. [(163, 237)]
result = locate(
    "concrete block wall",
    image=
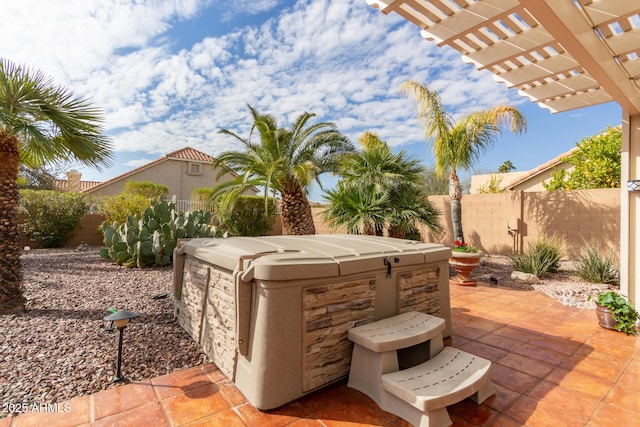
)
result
[(572, 216)]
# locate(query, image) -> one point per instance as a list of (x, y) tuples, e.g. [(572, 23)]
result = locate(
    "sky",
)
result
[(170, 74)]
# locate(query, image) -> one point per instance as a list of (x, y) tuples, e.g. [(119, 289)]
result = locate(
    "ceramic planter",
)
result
[(605, 317), (464, 263)]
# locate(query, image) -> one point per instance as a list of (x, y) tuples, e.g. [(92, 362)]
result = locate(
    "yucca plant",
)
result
[(595, 267), (541, 256)]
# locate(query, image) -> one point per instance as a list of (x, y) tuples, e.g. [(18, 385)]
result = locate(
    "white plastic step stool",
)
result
[(418, 394)]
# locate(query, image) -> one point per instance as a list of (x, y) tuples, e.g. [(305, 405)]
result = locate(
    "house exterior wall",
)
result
[(478, 181), (535, 183), (531, 184), (173, 174)]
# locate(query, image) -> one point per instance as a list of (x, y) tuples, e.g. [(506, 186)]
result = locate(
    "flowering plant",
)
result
[(460, 246)]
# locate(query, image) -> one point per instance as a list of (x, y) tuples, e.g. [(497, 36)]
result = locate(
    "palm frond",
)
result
[(51, 124)]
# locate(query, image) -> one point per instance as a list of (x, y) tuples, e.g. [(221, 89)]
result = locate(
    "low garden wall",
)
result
[(503, 223), (495, 223)]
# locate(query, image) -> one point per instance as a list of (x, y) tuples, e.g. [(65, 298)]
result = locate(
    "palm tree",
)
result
[(506, 167), (380, 189), (459, 144), (40, 123), (284, 160)]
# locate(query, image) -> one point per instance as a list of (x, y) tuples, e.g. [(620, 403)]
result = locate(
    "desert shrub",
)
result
[(492, 186), (248, 216), (595, 267), (541, 256), (50, 217), (117, 208), (202, 194), (148, 189)]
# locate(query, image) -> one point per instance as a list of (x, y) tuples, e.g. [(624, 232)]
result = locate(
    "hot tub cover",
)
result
[(311, 256)]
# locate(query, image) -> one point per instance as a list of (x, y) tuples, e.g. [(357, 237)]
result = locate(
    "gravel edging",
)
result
[(58, 347), (563, 286)]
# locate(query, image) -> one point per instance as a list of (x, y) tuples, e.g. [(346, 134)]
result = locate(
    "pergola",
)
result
[(562, 54)]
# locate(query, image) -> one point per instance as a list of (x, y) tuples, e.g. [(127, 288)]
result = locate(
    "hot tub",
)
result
[(273, 312)]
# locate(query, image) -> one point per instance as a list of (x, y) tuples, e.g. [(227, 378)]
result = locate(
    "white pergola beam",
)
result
[(538, 70), (578, 38)]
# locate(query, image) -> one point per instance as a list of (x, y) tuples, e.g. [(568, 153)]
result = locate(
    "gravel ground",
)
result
[(564, 286), (59, 349)]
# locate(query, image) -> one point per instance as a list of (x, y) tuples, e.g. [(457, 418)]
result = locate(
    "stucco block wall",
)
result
[(573, 216)]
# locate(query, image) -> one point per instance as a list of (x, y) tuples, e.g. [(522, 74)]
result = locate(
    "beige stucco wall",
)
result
[(573, 216), (173, 174), (478, 181)]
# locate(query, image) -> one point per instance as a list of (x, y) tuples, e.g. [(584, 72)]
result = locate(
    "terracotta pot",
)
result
[(464, 263), (605, 317)]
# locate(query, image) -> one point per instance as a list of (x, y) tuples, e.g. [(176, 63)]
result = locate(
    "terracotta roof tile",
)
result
[(189, 153)]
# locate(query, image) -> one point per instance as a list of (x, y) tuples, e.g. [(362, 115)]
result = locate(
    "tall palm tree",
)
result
[(40, 123), (458, 144), (378, 190), (283, 160)]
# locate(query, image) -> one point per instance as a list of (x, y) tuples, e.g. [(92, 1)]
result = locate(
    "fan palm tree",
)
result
[(458, 144), (40, 123), (380, 189), (283, 160)]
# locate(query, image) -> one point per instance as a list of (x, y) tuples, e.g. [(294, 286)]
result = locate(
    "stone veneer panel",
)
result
[(194, 286), (329, 312), (219, 329), (419, 291)]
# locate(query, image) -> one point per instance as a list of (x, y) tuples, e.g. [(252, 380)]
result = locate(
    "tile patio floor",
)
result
[(553, 366)]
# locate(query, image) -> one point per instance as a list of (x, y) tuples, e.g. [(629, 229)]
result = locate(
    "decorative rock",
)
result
[(527, 278)]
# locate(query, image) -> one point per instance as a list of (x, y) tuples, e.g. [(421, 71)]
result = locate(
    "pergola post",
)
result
[(629, 209)]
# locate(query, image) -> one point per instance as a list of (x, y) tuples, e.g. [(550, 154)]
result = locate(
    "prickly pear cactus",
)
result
[(151, 239)]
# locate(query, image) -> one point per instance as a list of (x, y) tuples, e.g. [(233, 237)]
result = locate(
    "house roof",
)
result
[(184, 154), (538, 170), (63, 184), (189, 153)]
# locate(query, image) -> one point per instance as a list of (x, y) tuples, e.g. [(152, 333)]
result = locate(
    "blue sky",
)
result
[(170, 74)]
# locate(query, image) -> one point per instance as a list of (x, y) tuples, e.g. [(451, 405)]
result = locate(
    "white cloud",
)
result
[(337, 58)]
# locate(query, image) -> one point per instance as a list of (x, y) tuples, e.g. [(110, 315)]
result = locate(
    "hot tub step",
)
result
[(400, 331), (425, 391)]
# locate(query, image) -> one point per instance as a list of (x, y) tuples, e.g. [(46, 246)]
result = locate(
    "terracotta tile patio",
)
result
[(553, 366)]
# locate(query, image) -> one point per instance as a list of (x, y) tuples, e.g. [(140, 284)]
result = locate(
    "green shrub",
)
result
[(248, 218), (51, 217), (595, 267), (150, 238), (541, 256), (148, 189), (117, 208), (202, 194), (625, 315)]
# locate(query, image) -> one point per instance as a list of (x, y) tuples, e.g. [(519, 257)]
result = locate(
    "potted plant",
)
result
[(464, 259), (616, 312)]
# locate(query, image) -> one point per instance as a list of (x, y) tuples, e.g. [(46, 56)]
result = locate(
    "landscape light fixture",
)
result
[(121, 319)]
